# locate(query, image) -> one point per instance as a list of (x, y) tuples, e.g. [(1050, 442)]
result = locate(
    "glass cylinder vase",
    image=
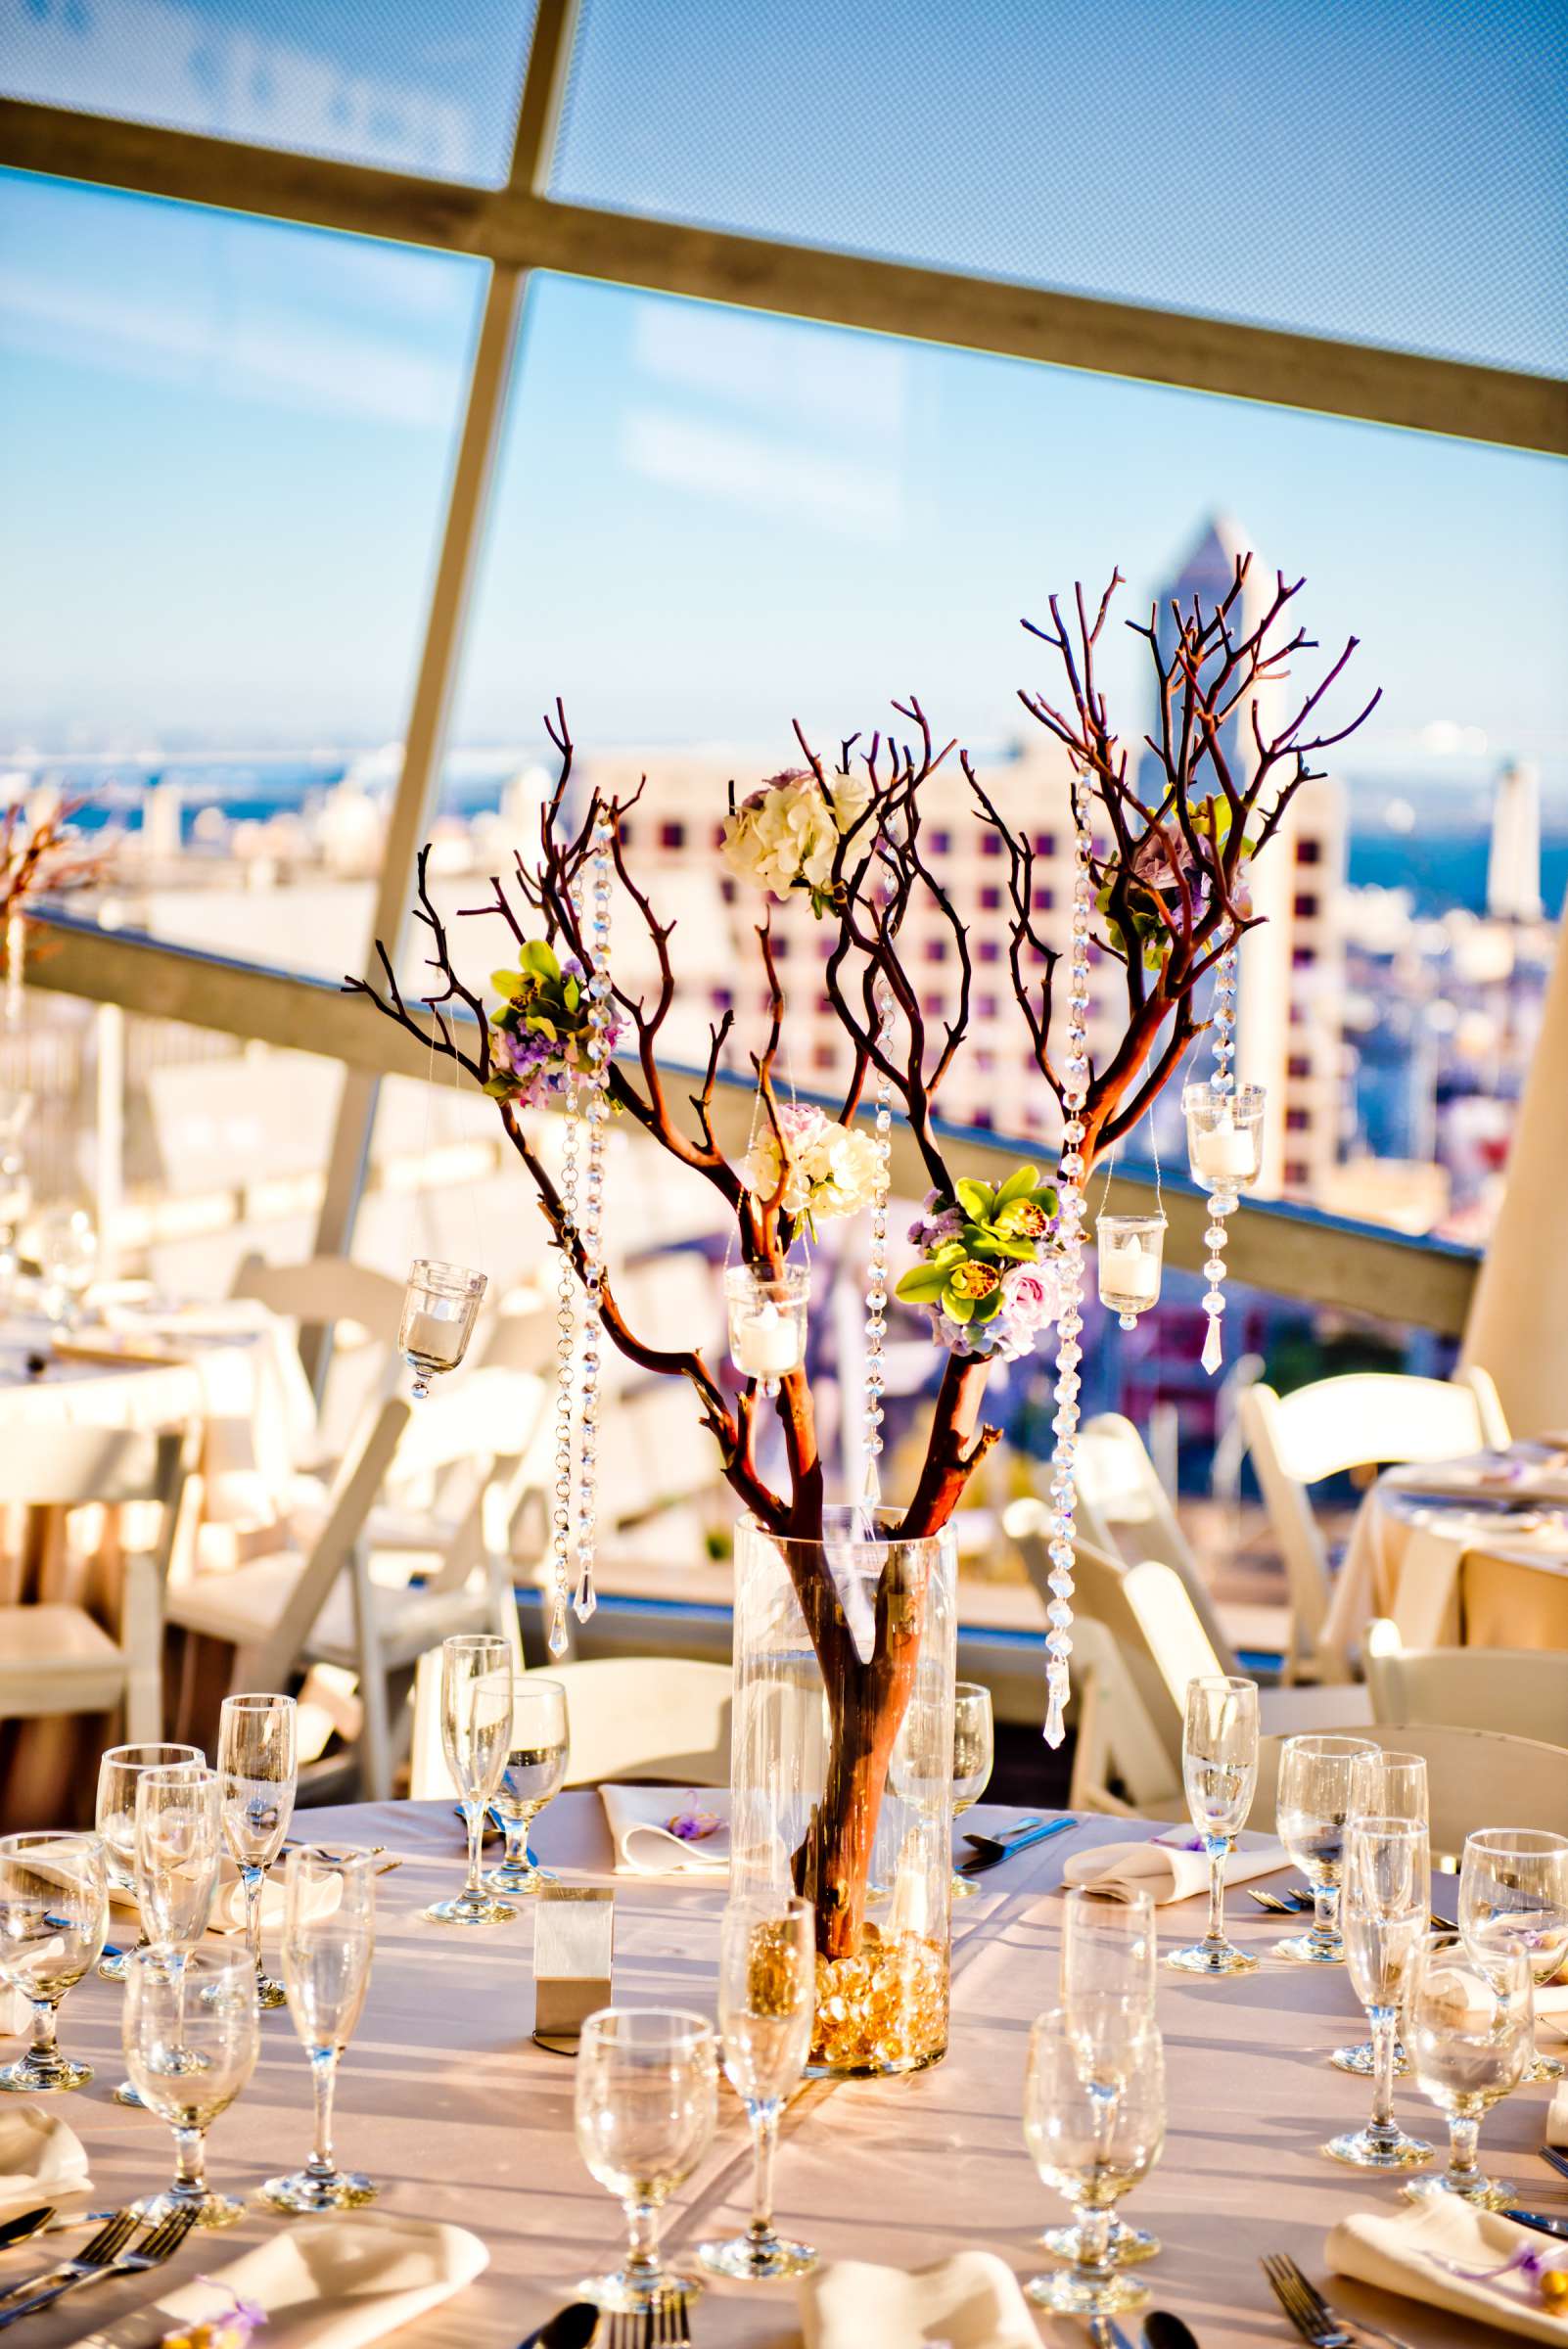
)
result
[(840, 1771)]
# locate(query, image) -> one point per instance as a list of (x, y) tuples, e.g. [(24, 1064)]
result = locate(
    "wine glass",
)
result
[(1387, 1914), (54, 1914), (63, 1245), (974, 1753), (258, 1761), (1513, 1887), (535, 1767), (329, 1937), (179, 1846), (120, 1772), (192, 2031), (440, 1304), (1383, 1785), (1315, 1797), (1469, 2034), (476, 1738), (766, 1999), (647, 2098), (1094, 2122), (1220, 1772), (1108, 1952)]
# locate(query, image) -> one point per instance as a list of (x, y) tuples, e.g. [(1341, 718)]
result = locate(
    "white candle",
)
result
[(766, 1343), (1224, 1151), (434, 1333), (1130, 1271)]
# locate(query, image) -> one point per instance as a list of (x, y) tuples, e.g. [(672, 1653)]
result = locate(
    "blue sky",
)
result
[(226, 441)]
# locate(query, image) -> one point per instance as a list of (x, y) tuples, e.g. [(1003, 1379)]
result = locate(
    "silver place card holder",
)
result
[(573, 1951)]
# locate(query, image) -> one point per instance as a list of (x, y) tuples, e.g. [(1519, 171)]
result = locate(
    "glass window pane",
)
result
[(1379, 172), (223, 474), (423, 88)]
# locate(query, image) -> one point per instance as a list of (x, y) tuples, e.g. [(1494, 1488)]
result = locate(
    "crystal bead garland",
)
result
[(1068, 1319), (1224, 1081), (565, 1322), (876, 1275), (584, 1600)]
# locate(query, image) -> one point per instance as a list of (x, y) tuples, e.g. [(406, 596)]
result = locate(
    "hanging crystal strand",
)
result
[(1070, 1320), (1222, 1081), (876, 1277), (565, 1322), (584, 1601), (16, 953)]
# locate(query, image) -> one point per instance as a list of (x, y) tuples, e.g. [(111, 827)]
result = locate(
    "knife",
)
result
[(979, 1861), (1540, 2222), (26, 2223)]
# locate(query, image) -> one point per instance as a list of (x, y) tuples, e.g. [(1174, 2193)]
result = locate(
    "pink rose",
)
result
[(1028, 1296)]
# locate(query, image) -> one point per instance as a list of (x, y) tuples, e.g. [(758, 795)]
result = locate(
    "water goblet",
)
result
[(476, 1738), (192, 2031), (536, 1765), (120, 1772), (179, 1848), (974, 1753), (1513, 1887), (1219, 1772), (1467, 2029), (766, 1999), (440, 1304), (1094, 2123), (1383, 1785), (1387, 1917), (329, 1937), (258, 1763), (647, 2098), (1315, 1798), (62, 1242), (54, 1914), (1108, 1952)]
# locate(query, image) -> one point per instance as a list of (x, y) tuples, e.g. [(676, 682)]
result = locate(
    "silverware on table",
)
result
[(1106, 2333), (1558, 2161), (991, 1851), (571, 2328), (1540, 2220), (1281, 1904), (672, 2322), (1304, 2304), (1162, 2331), (161, 2245), (110, 2240), (25, 2222), (1004, 1835)]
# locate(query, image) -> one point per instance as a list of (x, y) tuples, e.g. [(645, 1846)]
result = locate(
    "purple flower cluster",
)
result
[(540, 1065)]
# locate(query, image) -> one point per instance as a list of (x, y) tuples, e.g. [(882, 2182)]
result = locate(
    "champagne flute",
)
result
[(179, 1846), (1315, 1798), (766, 1999), (115, 1818), (536, 1765), (257, 1748), (1384, 1785), (1094, 2122), (974, 1754), (1387, 1918), (476, 1738), (1108, 1952), (192, 2031), (1513, 1887), (329, 1937), (54, 1914), (1220, 1772), (1468, 2033), (647, 2098)]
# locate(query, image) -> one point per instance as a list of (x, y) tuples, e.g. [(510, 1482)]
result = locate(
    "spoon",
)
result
[(1162, 2331)]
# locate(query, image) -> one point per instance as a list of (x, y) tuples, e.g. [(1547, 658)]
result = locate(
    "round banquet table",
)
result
[(1453, 1569), (444, 2099)]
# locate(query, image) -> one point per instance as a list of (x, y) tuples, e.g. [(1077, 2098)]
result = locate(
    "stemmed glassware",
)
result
[(440, 1304), (1315, 1798), (766, 1999), (1468, 2033), (64, 1242), (1093, 2141), (258, 1764), (179, 1847), (476, 1738), (647, 2098), (192, 2031), (1513, 1888), (1383, 1785), (329, 1937), (535, 1767), (54, 1914), (974, 1754), (120, 1772), (1387, 1917), (1108, 1955), (1219, 1772)]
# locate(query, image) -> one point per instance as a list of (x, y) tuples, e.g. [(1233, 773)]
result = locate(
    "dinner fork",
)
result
[(1304, 2304), (1558, 2161), (161, 2245), (1289, 1903), (110, 2240), (672, 2324)]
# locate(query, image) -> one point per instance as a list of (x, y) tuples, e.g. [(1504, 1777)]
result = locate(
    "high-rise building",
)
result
[(1513, 867)]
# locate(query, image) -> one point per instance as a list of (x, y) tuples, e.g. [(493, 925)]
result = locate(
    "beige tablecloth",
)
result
[(444, 2097), (1451, 1574)]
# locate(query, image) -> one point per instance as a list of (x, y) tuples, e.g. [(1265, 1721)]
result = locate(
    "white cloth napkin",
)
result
[(1557, 2116), (228, 1902), (1166, 1869), (325, 2284), (1417, 2252), (41, 2161), (971, 2301), (16, 2015), (639, 1817)]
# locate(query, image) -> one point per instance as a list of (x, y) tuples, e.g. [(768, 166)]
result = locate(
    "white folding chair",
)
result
[(1521, 1692), (666, 1718), (1366, 1419), (1125, 1510), (359, 1308), (1475, 1779), (56, 1658)]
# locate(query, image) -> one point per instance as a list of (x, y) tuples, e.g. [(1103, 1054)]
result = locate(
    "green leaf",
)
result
[(1017, 1249), (977, 1199), (956, 1308), (950, 1252), (988, 1308), (570, 994), (540, 1024), (500, 1089), (922, 1284), (1020, 1184), (538, 959), (1046, 1200)]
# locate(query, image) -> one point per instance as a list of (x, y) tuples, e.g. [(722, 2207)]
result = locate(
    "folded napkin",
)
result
[(971, 2301), (228, 1902), (1557, 2116), (1451, 2255), (646, 1845), (16, 2014), (324, 2283), (1168, 1867), (41, 2160)]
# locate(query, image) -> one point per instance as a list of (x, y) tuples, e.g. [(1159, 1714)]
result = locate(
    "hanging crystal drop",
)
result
[(584, 1599), (1222, 1081), (1069, 1320), (876, 1281)]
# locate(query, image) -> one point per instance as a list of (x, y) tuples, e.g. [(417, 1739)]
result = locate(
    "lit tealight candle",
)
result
[(766, 1343), (1224, 1153), (1131, 1271)]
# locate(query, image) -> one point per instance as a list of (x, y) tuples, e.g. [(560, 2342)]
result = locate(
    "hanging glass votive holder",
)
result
[(440, 1304), (767, 1321), (1224, 1141), (1129, 1250)]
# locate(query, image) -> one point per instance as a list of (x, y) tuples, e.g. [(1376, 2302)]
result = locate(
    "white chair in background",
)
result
[(55, 1658), (664, 1718), (1124, 1510), (1521, 1692), (359, 1308), (1475, 1779), (1369, 1419)]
